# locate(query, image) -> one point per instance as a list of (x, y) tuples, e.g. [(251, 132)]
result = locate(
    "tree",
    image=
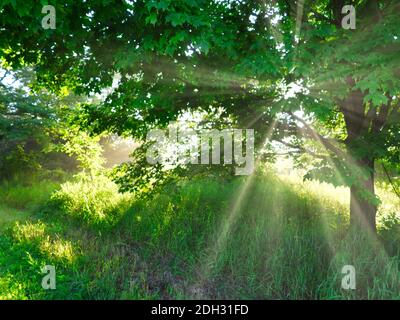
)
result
[(24, 119), (242, 56), (31, 125), (353, 90)]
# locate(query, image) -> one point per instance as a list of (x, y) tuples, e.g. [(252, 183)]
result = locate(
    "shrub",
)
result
[(94, 199)]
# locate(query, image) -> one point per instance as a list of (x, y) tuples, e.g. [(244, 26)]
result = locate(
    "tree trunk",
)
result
[(362, 205)]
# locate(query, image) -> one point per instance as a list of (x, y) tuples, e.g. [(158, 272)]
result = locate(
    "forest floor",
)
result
[(260, 237)]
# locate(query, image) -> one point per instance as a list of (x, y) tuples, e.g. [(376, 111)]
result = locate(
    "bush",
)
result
[(95, 200)]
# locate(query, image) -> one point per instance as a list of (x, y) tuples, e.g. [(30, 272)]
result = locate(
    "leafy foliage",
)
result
[(28, 121)]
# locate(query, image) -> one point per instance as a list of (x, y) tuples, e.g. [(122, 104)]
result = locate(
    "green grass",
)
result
[(262, 238), (20, 195)]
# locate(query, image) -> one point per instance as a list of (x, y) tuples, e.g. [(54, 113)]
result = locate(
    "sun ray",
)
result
[(372, 238), (233, 215)]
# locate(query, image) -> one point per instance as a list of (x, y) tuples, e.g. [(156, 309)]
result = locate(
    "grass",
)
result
[(265, 237)]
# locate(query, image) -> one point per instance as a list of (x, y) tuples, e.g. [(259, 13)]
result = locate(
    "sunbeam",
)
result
[(372, 237), (233, 215)]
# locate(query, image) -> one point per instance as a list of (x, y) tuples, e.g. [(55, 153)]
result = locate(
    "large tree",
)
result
[(353, 90), (242, 56)]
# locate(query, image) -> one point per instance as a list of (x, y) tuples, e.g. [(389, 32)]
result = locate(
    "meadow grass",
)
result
[(260, 237)]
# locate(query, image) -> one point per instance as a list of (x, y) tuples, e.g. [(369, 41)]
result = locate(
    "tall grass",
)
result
[(261, 237), (283, 242), (94, 200), (22, 195)]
